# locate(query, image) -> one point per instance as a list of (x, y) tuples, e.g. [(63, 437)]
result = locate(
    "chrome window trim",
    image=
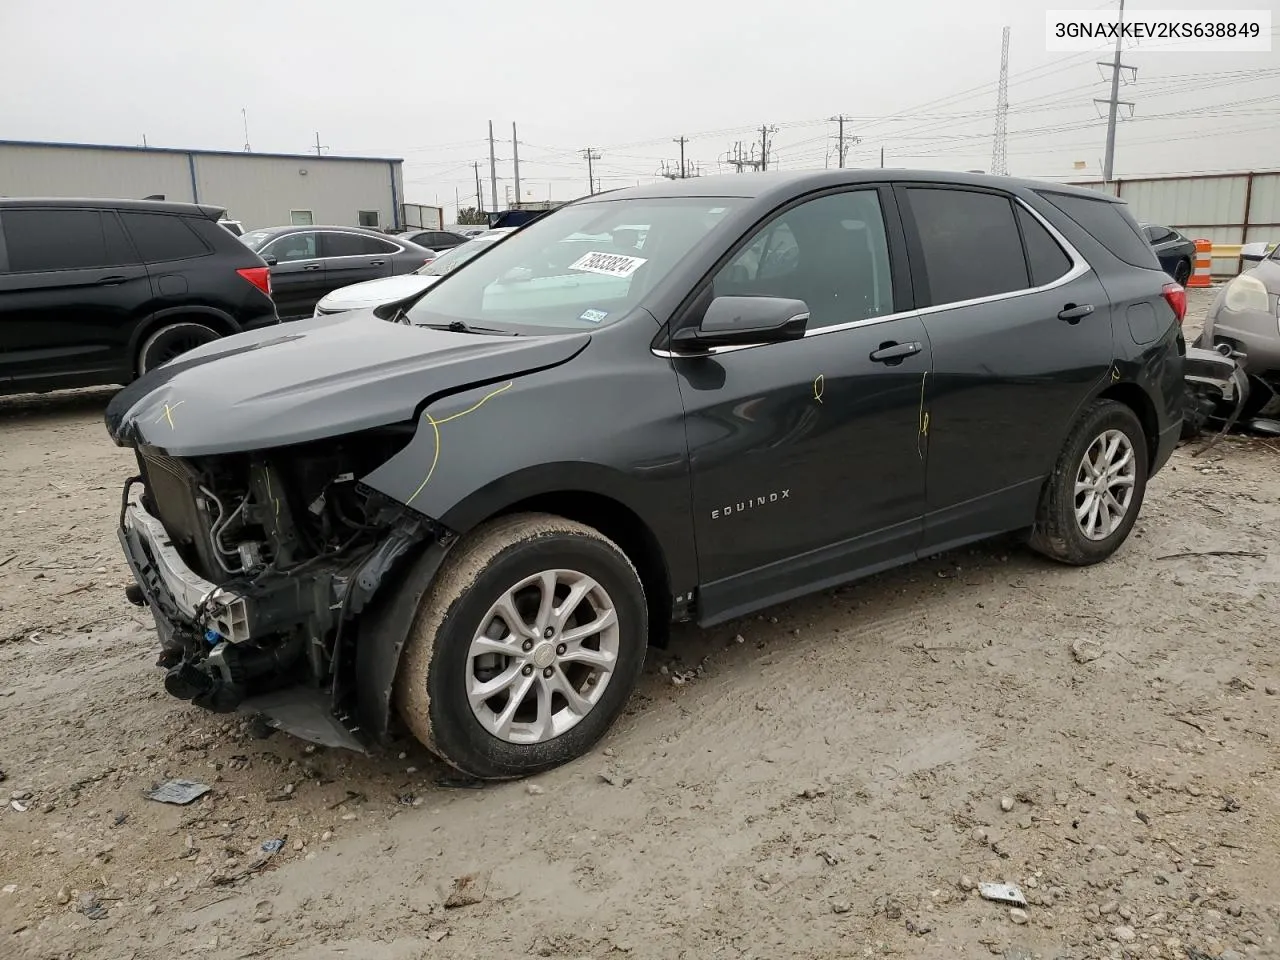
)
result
[(1079, 267)]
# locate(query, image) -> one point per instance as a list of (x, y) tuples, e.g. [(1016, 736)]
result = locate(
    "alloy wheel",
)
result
[(542, 657), (1104, 484)]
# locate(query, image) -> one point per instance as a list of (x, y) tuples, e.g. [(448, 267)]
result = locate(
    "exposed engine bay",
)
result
[(259, 561)]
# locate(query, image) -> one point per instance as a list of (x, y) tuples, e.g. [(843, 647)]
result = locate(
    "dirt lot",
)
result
[(828, 782)]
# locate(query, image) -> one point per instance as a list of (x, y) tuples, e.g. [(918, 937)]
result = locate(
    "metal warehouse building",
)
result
[(258, 189)]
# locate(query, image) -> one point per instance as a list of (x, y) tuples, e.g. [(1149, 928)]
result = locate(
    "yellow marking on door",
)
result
[(818, 384)]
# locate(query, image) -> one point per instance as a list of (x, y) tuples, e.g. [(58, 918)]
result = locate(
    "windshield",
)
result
[(255, 240), (452, 259), (583, 266)]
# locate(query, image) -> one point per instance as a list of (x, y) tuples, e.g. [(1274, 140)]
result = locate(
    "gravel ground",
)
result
[(827, 780)]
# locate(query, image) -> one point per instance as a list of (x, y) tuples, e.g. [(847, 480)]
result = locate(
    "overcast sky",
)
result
[(421, 80)]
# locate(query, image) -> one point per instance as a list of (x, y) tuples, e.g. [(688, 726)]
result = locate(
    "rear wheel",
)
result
[(170, 341), (1091, 500), (1182, 272), (525, 649)]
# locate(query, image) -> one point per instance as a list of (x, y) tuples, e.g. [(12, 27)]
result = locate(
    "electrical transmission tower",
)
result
[(1114, 102), (999, 149)]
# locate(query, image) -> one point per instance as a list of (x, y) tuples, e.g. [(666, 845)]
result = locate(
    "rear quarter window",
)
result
[(42, 240), (162, 236), (1111, 224)]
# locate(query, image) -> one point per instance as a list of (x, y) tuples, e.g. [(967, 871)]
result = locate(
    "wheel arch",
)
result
[(219, 320), (1137, 399)]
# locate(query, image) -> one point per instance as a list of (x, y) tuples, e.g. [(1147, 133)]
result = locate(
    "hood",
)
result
[(314, 378), (373, 293)]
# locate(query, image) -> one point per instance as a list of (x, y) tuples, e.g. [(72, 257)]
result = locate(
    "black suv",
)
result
[(679, 402), (99, 291)]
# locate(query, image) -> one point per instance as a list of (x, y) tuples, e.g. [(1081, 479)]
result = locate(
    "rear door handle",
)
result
[(895, 352), (1073, 313), (312, 266), (111, 281), (377, 263)]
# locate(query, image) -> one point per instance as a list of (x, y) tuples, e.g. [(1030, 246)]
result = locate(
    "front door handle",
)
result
[(895, 352), (311, 266), (377, 263), (111, 281), (1074, 313)]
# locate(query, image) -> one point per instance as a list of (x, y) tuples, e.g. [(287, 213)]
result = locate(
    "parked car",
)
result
[(235, 226), (374, 293), (1176, 253), (308, 261), (437, 240), (96, 292), (1245, 315), (557, 450)]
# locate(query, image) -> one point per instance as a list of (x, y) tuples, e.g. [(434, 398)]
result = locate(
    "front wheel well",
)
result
[(216, 322), (1136, 399), (625, 528)]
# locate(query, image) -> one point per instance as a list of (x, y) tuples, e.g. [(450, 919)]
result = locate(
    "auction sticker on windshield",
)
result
[(609, 264)]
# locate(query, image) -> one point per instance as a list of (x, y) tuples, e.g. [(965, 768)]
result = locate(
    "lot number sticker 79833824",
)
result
[(609, 264)]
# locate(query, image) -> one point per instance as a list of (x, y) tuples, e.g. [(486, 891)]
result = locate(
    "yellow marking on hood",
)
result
[(168, 413)]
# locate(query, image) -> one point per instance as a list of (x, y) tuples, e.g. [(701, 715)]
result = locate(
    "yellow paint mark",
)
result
[(1115, 374), (924, 417), (271, 496), (435, 430), (168, 413), (818, 384)]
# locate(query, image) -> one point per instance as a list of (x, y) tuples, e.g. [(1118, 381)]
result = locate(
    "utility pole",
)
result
[(319, 149), (457, 204), (882, 158), (682, 141), (764, 145), (479, 193), (591, 154), (1114, 103), (843, 144), (999, 148), (515, 160), (493, 169)]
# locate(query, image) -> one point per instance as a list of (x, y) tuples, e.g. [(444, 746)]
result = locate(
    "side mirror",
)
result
[(270, 261), (1254, 252), (746, 320)]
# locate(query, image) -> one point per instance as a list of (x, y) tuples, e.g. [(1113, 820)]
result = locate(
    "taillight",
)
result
[(260, 277), (1176, 297)]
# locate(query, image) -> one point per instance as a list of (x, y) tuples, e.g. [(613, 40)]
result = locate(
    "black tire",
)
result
[(1182, 272), (1057, 533), (172, 340), (430, 690)]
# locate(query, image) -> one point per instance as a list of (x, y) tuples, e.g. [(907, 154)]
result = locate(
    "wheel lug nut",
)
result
[(560, 650), (547, 673), (528, 669), (549, 632), (527, 646)]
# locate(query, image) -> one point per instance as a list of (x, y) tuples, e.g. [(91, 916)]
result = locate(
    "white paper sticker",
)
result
[(593, 316), (609, 264)]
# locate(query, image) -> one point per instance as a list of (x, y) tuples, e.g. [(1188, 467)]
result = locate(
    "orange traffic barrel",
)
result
[(1204, 264)]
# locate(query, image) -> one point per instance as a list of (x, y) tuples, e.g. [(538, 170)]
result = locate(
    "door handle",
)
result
[(1073, 313), (895, 352), (312, 266), (377, 263), (111, 281)]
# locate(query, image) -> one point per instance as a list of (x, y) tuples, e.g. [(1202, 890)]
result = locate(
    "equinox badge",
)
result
[(744, 505)]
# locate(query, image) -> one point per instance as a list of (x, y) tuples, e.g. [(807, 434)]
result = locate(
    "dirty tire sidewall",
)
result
[(430, 684), (160, 344), (1057, 534), (1182, 272)]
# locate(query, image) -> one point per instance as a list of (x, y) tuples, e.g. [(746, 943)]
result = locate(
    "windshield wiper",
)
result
[(457, 326)]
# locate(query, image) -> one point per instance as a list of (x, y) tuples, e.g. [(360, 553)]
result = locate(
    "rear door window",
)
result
[(970, 243), (162, 236), (293, 247), (1111, 224), (355, 245), (39, 240), (1047, 260)]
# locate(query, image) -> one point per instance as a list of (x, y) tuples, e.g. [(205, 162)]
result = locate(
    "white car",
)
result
[(374, 293)]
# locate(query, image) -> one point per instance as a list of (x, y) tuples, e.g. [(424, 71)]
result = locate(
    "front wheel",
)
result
[(1091, 500), (525, 649)]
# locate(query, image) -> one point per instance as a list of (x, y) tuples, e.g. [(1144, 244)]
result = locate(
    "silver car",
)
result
[(1245, 316)]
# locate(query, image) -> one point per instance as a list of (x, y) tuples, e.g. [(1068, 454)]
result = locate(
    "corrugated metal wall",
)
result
[(257, 189), (1211, 206)]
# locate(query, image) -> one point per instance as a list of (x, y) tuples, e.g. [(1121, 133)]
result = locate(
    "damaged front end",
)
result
[(256, 567), (1221, 396)]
